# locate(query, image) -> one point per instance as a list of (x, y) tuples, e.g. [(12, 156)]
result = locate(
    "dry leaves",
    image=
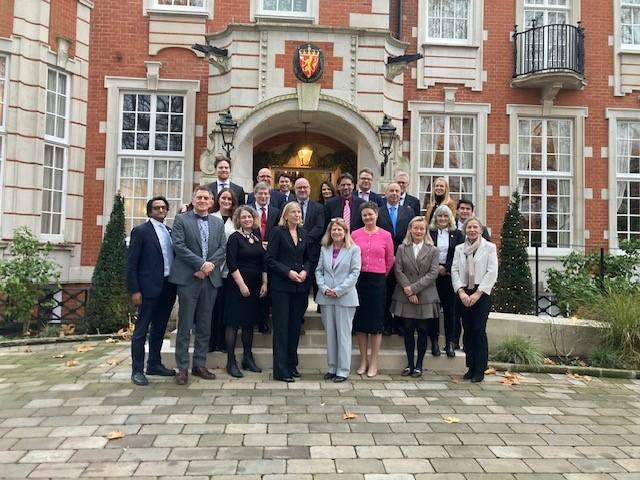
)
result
[(60, 355), (71, 363), (28, 350), (124, 333), (67, 329), (451, 420), (111, 340), (349, 415), (111, 362), (509, 378), (85, 348), (548, 361), (490, 371), (577, 376), (114, 435), (455, 380)]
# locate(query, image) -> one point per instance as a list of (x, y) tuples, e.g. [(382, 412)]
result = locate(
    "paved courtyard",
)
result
[(55, 420)]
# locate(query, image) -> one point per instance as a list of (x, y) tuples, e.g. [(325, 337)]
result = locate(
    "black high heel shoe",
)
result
[(248, 363), (233, 370)]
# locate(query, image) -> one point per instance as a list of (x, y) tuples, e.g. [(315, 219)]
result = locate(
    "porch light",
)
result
[(386, 135), (305, 152), (228, 127)]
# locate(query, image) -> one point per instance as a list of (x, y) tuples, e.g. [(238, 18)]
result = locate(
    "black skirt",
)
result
[(372, 294)]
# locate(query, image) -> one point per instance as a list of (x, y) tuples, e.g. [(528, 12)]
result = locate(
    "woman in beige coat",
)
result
[(415, 299)]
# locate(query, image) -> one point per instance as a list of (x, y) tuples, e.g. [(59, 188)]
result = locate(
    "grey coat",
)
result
[(420, 273), (342, 277), (186, 245)]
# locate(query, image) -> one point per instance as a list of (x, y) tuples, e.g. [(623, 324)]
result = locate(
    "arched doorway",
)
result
[(335, 120)]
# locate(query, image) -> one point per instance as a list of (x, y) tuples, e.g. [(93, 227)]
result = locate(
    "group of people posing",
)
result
[(375, 263)]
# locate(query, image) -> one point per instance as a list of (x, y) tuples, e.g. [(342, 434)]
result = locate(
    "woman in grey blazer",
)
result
[(415, 299), (336, 276), (474, 273)]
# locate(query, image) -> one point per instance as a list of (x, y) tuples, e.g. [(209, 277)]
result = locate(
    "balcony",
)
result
[(550, 57)]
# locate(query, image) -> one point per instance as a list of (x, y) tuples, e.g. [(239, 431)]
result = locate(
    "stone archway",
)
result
[(334, 117)]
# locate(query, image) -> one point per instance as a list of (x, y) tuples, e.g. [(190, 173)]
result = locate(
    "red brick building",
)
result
[(551, 111)]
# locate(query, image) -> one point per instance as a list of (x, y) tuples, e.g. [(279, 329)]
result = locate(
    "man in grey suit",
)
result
[(200, 245)]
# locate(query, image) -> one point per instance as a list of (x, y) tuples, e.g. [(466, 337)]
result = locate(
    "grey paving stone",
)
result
[(310, 466), (286, 452), (503, 465), (263, 466), (79, 443), (514, 452), (239, 453), (212, 467), (332, 452), (630, 464), (192, 453), (96, 455), (177, 440), (550, 465), (59, 470), (110, 469), (359, 465), (11, 456), (455, 465), (166, 467), (468, 451), (378, 452), (407, 465), (308, 439), (395, 439), (46, 456), (44, 443), (145, 454), (17, 470), (589, 465)]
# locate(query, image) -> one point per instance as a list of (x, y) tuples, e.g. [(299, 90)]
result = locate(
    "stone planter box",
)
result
[(565, 336)]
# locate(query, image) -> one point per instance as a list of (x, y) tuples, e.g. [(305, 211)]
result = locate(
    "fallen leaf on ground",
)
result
[(28, 350), (124, 333), (509, 378), (60, 355), (349, 415), (112, 362), (452, 420), (111, 340), (455, 380), (490, 371), (71, 363), (67, 329), (115, 435), (85, 348), (548, 361), (577, 376)]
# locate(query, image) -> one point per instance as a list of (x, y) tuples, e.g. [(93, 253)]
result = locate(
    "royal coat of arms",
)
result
[(308, 63)]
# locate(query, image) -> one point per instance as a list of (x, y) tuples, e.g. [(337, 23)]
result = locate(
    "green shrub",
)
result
[(620, 316), (109, 304), (604, 357), (520, 350)]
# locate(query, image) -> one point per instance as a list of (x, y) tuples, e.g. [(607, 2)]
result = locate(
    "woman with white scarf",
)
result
[(473, 273)]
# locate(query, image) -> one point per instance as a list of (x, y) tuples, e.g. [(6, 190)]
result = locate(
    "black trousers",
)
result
[(287, 314), (216, 340), (153, 316), (474, 321), (448, 301)]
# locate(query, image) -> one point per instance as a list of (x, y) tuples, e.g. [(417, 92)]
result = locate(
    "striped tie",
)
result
[(346, 213)]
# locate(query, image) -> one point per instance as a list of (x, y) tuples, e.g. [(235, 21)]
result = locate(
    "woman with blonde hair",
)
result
[(336, 276), (415, 299), (289, 265), (439, 196), (474, 273)]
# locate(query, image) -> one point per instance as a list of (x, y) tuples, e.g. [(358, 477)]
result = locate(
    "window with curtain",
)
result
[(630, 22), (546, 12), (56, 149), (448, 20), (448, 149), (180, 5), (628, 180), (284, 7), (151, 156), (545, 157)]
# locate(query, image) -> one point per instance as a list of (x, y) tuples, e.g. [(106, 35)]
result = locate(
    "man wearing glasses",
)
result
[(364, 192), (148, 266)]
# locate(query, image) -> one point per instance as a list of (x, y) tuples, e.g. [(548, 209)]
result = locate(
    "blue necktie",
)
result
[(168, 246), (394, 217), (203, 225)]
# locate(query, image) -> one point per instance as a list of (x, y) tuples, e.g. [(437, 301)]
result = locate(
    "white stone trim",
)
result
[(312, 15), (578, 115), (481, 112), (614, 115), (115, 87)]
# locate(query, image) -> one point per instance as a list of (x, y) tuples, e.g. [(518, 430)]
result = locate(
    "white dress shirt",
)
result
[(443, 246), (416, 248), (165, 244)]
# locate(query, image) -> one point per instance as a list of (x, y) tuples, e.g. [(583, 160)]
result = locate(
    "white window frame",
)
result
[(625, 4), (578, 116), (150, 156), (615, 116), (311, 15), (116, 87), (57, 143), (450, 41), (480, 112), (154, 6), (574, 9)]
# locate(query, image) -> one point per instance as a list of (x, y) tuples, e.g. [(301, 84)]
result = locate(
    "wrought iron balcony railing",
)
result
[(548, 48)]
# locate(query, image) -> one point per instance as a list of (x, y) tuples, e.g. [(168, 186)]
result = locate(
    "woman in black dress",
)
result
[(245, 261)]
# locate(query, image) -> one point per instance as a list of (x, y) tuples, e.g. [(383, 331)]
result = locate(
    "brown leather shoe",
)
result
[(182, 377), (203, 373)]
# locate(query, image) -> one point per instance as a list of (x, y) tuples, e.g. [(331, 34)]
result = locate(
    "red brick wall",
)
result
[(331, 63), (499, 18), (62, 23), (6, 18), (119, 46)]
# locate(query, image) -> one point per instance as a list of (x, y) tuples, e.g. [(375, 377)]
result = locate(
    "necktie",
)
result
[(203, 225), (223, 185), (303, 206), (346, 213), (394, 217), (263, 223), (167, 244), (363, 196)]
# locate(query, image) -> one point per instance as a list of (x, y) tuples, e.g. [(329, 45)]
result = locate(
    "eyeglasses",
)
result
[(159, 207)]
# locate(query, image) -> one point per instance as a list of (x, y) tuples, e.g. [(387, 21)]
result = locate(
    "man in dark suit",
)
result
[(285, 184), (407, 200), (312, 218), (364, 192), (200, 245), (148, 266), (223, 172), (395, 219), (464, 210), (276, 199), (344, 204)]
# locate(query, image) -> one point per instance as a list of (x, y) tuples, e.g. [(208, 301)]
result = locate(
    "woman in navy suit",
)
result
[(336, 276), (445, 237), (474, 273), (289, 264)]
